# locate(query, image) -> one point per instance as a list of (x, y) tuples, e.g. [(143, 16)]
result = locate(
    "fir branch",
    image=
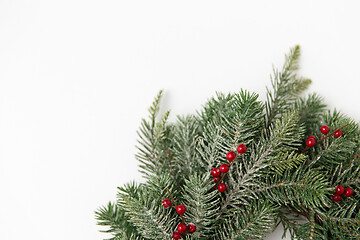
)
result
[(153, 154), (341, 222), (302, 189), (334, 151), (247, 123), (343, 228), (286, 161), (250, 223), (210, 147), (283, 136), (311, 230), (289, 220), (286, 133), (226, 121), (240, 188), (202, 205), (143, 207), (311, 109), (346, 175), (183, 147), (286, 87), (115, 218)]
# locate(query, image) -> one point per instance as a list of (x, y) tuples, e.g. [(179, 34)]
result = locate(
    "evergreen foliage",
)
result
[(278, 180)]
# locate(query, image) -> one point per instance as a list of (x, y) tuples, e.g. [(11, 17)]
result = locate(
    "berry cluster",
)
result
[(180, 209), (224, 168), (339, 190), (311, 140), (182, 228)]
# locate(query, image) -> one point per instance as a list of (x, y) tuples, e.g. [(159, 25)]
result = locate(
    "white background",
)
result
[(77, 76)]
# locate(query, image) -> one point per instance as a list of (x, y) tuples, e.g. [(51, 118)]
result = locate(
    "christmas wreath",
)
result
[(240, 167)]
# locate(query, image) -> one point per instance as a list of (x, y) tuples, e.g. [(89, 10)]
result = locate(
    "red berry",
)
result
[(231, 156), (182, 228), (176, 235), (338, 133), (224, 168), (337, 198), (310, 142), (349, 192), (241, 149), (181, 209), (311, 137), (339, 189), (222, 187), (216, 179), (166, 203), (215, 172), (192, 228), (324, 129)]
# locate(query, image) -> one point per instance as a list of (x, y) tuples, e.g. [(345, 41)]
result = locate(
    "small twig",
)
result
[(325, 137), (171, 196), (182, 218)]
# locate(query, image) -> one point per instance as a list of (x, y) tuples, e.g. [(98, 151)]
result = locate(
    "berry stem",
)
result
[(171, 196), (331, 134), (182, 218), (325, 137)]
